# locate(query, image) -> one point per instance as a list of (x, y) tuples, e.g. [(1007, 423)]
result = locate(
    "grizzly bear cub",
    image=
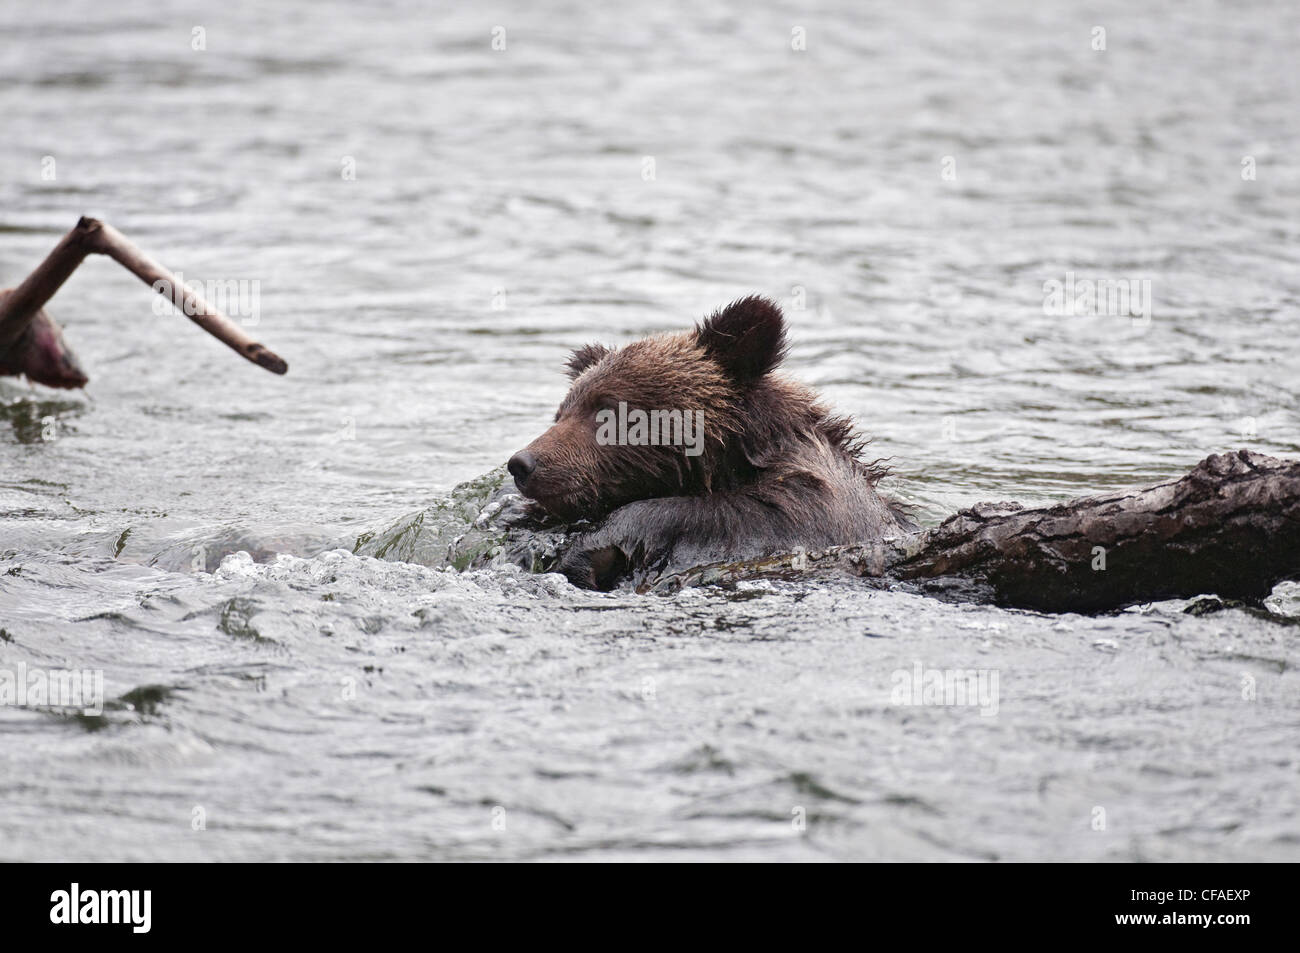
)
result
[(692, 451)]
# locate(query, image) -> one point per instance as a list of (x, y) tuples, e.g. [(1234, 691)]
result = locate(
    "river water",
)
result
[(425, 224)]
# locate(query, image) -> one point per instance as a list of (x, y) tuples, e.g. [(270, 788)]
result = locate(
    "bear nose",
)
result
[(521, 467)]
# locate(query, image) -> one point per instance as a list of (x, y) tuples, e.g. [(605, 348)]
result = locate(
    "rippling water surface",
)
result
[(186, 525)]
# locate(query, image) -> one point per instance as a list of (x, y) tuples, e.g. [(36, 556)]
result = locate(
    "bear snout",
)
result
[(521, 467)]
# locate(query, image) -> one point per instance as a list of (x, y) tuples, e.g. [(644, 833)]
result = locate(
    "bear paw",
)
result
[(597, 569)]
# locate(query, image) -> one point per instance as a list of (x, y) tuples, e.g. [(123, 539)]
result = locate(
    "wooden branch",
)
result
[(19, 310), (107, 240), (21, 306), (1230, 527), (41, 353)]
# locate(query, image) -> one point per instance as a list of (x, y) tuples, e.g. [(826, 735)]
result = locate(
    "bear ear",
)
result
[(584, 357), (747, 337)]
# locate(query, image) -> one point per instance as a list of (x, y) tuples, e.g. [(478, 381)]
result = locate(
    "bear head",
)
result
[(664, 416)]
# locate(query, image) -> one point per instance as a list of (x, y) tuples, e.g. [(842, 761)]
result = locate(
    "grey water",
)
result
[(430, 205)]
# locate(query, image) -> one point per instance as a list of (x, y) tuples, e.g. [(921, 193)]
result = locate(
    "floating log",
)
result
[(23, 350), (39, 352), (1230, 527)]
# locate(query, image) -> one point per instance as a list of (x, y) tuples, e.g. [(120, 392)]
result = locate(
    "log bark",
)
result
[(107, 240), (1231, 527), (20, 306), (20, 310), (40, 353)]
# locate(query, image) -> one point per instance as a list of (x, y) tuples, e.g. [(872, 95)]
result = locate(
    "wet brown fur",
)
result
[(777, 471)]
